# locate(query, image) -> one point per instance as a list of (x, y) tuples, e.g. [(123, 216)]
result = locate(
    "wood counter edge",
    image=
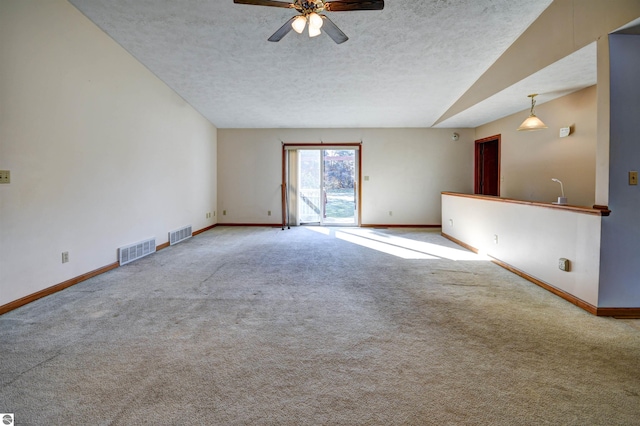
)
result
[(596, 210)]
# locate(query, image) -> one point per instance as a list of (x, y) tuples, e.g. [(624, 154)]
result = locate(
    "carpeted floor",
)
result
[(315, 326)]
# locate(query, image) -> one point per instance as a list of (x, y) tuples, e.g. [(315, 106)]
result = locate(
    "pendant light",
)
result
[(299, 23), (315, 20), (532, 122), (315, 23), (313, 31)]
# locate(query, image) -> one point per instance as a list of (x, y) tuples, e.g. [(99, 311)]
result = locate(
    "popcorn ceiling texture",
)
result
[(574, 72), (402, 66)]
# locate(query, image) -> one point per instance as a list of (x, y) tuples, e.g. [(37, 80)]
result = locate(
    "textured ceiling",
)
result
[(574, 72), (403, 66)]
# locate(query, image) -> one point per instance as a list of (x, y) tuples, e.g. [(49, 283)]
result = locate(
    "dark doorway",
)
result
[(487, 165)]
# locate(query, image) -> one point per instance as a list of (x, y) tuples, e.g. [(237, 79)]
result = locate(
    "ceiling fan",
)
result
[(310, 12)]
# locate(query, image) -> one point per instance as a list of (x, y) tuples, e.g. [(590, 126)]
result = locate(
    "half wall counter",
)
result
[(554, 246)]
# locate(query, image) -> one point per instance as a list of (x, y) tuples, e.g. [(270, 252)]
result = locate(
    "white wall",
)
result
[(531, 239), (101, 152), (407, 169), (530, 159)]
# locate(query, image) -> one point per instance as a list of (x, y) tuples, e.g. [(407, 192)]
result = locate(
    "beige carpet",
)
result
[(243, 326)]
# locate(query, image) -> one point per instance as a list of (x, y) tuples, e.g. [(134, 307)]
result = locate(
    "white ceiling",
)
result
[(403, 66), (574, 72)]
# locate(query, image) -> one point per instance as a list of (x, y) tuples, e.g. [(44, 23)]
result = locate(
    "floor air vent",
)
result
[(179, 235), (135, 251)]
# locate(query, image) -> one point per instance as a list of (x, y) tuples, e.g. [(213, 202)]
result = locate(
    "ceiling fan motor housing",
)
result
[(309, 6)]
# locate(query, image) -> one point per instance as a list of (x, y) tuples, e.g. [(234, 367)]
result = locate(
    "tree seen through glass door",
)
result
[(339, 186), (327, 187)]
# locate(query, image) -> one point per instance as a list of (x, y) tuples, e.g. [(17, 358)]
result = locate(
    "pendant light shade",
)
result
[(313, 31), (299, 23), (315, 21), (532, 122)]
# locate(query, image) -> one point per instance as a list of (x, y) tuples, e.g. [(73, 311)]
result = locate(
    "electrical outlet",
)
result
[(5, 176), (564, 264), (366, 178), (390, 213), (269, 213), (65, 256), (495, 239), (633, 178), (224, 212), (214, 213)]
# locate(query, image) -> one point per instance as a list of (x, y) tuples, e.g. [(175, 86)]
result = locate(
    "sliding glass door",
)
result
[(339, 186), (328, 192), (310, 200)]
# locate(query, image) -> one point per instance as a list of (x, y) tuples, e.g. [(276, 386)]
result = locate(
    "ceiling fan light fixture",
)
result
[(315, 21), (314, 32), (312, 12), (299, 23), (532, 122)]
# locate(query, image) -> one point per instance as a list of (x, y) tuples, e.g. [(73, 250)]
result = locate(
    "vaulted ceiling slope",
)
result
[(404, 66)]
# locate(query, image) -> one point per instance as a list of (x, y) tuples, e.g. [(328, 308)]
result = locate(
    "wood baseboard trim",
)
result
[(369, 225), (279, 225), (55, 288), (619, 313), (162, 246), (73, 281), (200, 231), (460, 243), (563, 294), (267, 225)]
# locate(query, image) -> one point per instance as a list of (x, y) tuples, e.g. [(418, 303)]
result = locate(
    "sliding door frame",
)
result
[(357, 146)]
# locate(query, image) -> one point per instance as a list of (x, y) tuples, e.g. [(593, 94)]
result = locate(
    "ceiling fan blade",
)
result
[(349, 5), (333, 31), (283, 31), (266, 3)]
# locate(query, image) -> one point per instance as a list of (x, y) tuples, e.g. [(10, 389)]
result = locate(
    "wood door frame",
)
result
[(476, 161)]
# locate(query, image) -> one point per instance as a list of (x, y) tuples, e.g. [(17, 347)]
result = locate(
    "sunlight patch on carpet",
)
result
[(404, 248)]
